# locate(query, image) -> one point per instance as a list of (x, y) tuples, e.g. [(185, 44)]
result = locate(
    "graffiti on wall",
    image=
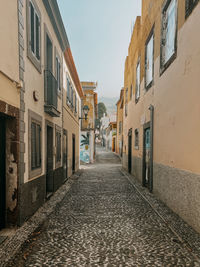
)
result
[(85, 147)]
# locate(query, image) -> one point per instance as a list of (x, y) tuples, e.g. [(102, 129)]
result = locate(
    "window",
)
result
[(68, 91), (120, 127), (137, 90), (58, 74), (58, 147), (126, 95), (168, 39), (34, 144), (34, 34), (149, 62), (126, 109), (131, 91), (136, 139), (75, 103), (189, 6), (72, 97)]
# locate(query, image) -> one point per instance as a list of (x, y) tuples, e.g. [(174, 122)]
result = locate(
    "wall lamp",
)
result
[(85, 112)]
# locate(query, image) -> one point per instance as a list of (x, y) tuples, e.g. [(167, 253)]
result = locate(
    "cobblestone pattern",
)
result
[(103, 221), (12, 245)]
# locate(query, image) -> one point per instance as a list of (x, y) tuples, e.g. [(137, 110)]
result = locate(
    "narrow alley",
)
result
[(103, 221)]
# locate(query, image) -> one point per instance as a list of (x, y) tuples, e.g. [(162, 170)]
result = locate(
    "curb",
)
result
[(184, 233), (12, 244)]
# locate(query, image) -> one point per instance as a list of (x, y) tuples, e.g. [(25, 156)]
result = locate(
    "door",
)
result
[(73, 153), (65, 155), (49, 150), (2, 172), (146, 159), (130, 151)]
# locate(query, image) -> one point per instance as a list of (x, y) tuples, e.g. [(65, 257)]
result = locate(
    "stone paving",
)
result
[(103, 221)]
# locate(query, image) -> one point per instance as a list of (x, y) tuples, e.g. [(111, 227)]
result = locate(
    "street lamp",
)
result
[(85, 112)]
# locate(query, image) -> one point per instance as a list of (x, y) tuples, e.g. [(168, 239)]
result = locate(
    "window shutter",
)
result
[(32, 27), (37, 37)]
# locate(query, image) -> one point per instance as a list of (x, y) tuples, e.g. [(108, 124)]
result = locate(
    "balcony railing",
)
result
[(50, 94)]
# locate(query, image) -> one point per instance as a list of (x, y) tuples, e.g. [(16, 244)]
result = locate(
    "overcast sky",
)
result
[(99, 33)]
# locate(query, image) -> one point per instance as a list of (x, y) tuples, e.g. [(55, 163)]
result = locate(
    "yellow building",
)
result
[(161, 112), (72, 95), (119, 137), (87, 140)]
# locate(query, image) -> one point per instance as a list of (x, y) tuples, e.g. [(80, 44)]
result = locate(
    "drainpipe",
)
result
[(151, 108)]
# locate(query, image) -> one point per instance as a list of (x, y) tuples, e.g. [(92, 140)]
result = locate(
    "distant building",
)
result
[(111, 133), (119, 137), (87, 140), (104, 122)]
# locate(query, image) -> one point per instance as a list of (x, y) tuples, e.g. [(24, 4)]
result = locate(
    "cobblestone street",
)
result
[(103, 221)]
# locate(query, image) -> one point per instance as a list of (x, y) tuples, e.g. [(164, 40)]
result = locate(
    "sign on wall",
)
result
[(85, 147)]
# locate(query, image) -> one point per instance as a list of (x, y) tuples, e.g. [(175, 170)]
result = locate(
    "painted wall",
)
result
[(174, 96)]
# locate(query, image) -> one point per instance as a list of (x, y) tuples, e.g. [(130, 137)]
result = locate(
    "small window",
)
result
[(149, 61), (68, 91), (58, 147), (35, 146), (75, 103), (120, 127), (136, 139), (34, 34), (58, 74), (189, 6), (131, 91), (72, 97), (126, 109), (137, 90), (126, 95), (168, 38)]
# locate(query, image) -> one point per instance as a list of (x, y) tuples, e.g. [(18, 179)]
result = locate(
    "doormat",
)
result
[(2, 239)]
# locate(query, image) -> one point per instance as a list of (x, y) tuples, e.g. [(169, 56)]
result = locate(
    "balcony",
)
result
[(50, 94)]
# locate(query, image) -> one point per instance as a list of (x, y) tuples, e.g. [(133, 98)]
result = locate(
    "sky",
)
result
[(99, 32)]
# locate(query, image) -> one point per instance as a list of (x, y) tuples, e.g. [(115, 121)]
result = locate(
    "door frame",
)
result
[(3, 175), (150, 184), (51, 125), (73, 153), (65, 152), (130, 150)]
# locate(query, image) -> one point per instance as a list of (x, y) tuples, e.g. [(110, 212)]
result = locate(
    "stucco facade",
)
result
[(39, 129), (168, 108), (119, 137), (87, 141)]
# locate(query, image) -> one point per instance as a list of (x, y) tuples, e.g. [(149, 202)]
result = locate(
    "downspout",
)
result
[(151, 108)]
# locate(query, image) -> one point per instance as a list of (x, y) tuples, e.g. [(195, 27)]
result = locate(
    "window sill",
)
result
[(34, 173), (136, 147), (36, 63)]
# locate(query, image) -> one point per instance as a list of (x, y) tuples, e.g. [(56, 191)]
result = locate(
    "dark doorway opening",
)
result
[(65, 155), (2, 172), (73, 153), (49, 170), (130, 151)]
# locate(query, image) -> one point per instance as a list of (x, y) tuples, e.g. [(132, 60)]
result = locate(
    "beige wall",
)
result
[(71, 121), (34, 80), (173, 95), (9, 53)]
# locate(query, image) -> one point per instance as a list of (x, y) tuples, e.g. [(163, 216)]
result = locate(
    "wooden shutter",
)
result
[(37, 36), (32, 28)]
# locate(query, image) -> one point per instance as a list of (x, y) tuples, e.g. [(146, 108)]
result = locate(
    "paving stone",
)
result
[(103, 221)]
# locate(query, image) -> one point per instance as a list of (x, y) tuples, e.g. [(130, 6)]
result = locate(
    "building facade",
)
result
[(36, 58), (161, 132), (87, 139), (119, 136)]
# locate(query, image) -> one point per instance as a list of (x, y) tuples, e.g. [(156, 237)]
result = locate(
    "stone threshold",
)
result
[(12, 244), (184, 233)]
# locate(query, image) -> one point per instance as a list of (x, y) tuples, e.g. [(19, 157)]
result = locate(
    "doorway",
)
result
[(65, 155), (49, 167), (130, 151), (73, 153), (146, 155), (2, 172)]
